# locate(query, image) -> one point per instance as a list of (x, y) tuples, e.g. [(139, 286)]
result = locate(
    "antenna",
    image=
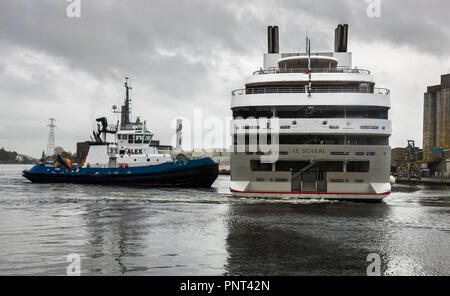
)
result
[(126, 108), (308, 53), (51, 137)]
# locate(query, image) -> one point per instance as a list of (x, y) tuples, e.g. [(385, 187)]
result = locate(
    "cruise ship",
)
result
[(327, 120)]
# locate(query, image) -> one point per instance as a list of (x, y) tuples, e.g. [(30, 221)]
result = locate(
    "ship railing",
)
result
[(276, 70), (275, 90)]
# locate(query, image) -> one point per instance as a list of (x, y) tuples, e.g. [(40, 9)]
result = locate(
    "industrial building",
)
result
[(434, 159), (436, 116), (436, 128)]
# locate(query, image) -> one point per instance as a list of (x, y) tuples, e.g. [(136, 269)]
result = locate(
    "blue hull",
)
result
[(192, 173)]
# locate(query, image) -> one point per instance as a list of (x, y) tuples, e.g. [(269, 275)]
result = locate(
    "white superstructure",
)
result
[(333, 131), (132, 146)]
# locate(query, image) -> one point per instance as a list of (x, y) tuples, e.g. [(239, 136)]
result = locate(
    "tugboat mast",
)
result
[(126, 110)]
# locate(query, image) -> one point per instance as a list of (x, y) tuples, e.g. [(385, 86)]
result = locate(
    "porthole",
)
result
[(148, 159), (325, 122)]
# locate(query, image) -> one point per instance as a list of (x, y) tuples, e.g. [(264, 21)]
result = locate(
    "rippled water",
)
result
[(208, 232)]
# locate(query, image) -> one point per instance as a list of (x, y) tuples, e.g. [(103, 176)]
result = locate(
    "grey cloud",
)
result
[(174, 49), (422, 25)]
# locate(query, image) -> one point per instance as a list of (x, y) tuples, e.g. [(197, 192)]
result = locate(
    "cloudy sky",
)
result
[(183, 55)]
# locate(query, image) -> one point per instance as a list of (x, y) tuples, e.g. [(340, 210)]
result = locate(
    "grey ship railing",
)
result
[(275, 70), (275, 90)]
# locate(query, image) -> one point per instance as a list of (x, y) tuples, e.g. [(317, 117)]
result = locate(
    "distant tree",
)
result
[(7, 157)]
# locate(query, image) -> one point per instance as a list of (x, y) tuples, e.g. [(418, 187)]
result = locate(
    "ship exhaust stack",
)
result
[(273, 43), (276, 43), (269, 39), (341, 38), (345, 38)]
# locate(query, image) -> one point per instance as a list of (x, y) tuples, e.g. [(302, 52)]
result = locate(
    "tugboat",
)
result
[(130, 160)]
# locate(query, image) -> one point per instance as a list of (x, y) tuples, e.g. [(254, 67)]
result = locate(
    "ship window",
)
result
[(279, 180), (337, 180), (293, 165), (339, 153), (130, 139), (256, 165), (139, 138), (358, 166), (329, 166), (147, 139)]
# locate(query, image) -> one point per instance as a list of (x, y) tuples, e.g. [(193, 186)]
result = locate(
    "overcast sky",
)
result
[(183, 55)]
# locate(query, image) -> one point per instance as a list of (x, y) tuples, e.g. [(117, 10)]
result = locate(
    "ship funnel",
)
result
[(345, 38), (269, 39), (276, 43), (273, 43), (341, 38)]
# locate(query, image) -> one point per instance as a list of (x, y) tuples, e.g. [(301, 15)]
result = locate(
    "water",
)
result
[(208, 232)]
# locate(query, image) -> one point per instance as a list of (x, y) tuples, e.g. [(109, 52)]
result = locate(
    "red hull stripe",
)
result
[(314, 193)]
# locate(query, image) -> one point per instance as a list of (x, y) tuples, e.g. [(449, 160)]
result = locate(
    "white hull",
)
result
[(313, 195), (329, 128)]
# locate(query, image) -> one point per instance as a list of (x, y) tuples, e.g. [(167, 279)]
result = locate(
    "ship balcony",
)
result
[(276, 70), (316, 126), (299, 96), (312, 90)]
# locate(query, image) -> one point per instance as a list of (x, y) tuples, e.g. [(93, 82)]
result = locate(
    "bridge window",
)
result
[(147, 139), (373, 112), (332, 140), (130, 139), (139, 138)]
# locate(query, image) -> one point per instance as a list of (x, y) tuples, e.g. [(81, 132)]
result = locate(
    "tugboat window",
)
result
[(139, 139), (147, 139), (130, 139)]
